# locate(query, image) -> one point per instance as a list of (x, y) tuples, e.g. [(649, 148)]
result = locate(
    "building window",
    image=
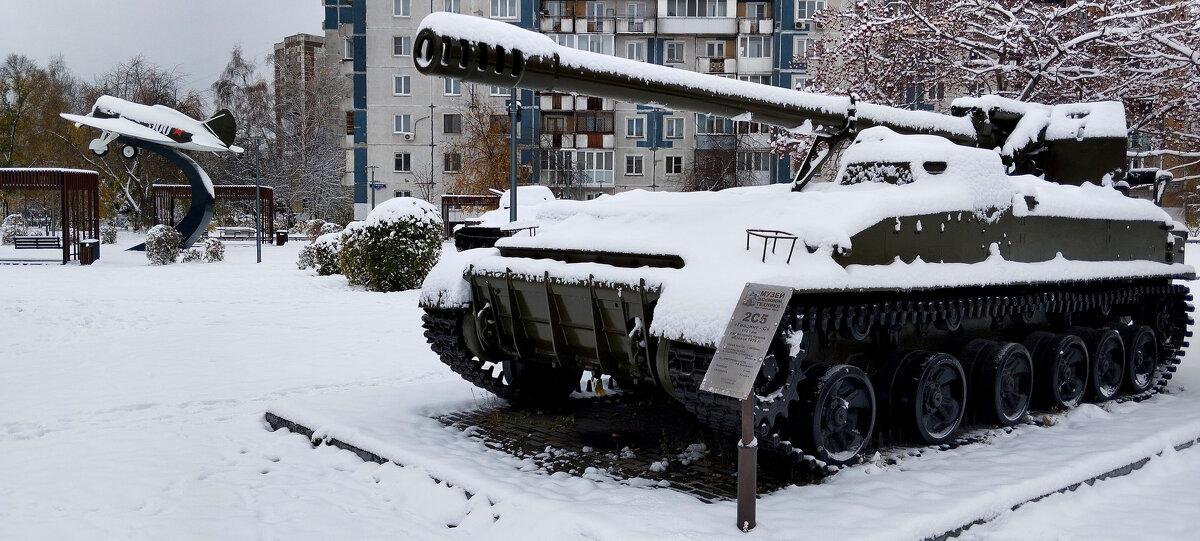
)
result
[(348, 49), (593, 43), (554, 124), (555, 8), (500, 91), (674, 51), (757, 10), (403, 162), (402, 193), (401, 85), (635, 50), (714, 49), (674, 127), (452, 123), (635, 13), (452, 162), (752, 160), (452, 6), (401, 45), (805, 9), (754, 47), (674, 165), (400, 8), (696, 8), (595, 166), (594, 122), (760, 78), (804, 47), (402, 123), (451, 87), (635, 127), (713, 125), (633, 165), (504, 9), (349, 122)]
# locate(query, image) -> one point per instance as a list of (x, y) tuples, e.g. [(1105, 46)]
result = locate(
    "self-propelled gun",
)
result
[(963, 266)]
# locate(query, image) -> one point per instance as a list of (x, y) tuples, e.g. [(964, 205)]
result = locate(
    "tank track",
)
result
[(443, 330), (688, 363)]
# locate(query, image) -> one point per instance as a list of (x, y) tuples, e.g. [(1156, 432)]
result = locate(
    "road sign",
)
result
[(747, 337)]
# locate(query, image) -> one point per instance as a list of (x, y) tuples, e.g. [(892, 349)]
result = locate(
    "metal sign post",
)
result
[(734, 367)]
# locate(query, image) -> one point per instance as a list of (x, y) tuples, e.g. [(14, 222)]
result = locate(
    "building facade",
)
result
[(400, 123)]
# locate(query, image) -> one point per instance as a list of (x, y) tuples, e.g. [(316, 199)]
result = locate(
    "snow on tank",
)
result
[(707, 230)]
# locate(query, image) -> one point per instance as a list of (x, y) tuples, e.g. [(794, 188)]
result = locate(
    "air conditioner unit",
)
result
[(409, 136)]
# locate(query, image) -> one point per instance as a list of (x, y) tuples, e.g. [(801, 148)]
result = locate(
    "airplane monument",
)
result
[(164, 131)]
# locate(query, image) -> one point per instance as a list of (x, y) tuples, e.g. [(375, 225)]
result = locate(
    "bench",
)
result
[(238, 233), (26, 243)]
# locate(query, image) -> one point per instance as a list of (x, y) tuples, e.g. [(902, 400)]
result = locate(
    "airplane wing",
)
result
[(121, 126)]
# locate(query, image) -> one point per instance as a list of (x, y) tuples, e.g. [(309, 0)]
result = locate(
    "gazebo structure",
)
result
[(78, 196), (165, 196)]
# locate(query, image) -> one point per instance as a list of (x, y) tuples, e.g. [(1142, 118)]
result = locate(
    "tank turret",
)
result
[(963, 268), (1069, 143)]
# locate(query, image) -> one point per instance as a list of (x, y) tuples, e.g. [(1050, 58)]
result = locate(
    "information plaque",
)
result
[(747, 337)]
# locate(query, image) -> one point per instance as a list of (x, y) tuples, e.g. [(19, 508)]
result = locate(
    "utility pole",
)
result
[(257, 204), (372, 168), (512, 154)]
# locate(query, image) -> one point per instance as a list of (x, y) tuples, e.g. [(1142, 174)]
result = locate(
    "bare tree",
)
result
[(483, 146), (913, 53)]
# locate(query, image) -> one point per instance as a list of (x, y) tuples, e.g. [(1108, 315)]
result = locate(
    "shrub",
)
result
[(162, 244), (108, 234), (190, 255), (313, 229), (331, 227), (394, 248), (321, 255), (13, 226), (214, 250)]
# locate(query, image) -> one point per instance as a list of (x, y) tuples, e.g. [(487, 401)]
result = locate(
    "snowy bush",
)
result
[(190, 255), (13, 226), (313, 229), (214, 250), (162, 244), (331, 227), (108, 234), (322, 255), (394, 248)]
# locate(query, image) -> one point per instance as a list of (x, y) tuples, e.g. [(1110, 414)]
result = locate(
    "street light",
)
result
[(257, 204), (513, 109), (372, 168)]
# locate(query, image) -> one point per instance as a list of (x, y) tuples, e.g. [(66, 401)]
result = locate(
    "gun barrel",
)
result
[(489, 52)]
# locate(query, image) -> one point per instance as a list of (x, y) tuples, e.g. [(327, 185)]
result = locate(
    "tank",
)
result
[(960, 269)]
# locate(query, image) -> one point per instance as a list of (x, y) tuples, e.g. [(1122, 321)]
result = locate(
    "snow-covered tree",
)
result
[(920, 53)]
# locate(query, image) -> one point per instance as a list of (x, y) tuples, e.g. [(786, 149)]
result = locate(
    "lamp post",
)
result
[(513, 109), (257, 205), (372, 168)]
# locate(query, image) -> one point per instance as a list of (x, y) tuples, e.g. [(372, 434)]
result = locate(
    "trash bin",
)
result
[(89, 251), (281, 238)]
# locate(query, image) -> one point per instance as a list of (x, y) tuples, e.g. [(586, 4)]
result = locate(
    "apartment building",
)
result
[(400, 123)]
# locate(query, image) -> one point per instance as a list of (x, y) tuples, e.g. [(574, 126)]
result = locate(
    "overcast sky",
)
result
[(192, 36)]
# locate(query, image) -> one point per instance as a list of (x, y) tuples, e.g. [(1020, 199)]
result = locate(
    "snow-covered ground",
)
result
[(132, 401)]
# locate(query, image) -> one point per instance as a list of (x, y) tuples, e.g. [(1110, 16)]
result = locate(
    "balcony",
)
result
[(747, 65), (557, 25), (635, 25), (596, 25), (716, 64), (756, 26), (697, 25)]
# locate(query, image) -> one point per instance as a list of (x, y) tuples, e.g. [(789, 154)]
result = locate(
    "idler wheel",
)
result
[(1107, 353), (1141, 355), (1061, 368), (836, 414), (1001, 379), (929, 396)]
